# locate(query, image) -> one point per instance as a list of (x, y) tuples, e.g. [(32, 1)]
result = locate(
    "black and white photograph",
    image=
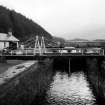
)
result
[(52, 52)]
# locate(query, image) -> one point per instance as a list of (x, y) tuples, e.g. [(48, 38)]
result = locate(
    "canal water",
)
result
[(70, 90)]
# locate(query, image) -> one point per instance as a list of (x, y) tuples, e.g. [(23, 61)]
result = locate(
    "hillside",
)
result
[(60, 41), (78, 39), (99, 40), (22, 27)]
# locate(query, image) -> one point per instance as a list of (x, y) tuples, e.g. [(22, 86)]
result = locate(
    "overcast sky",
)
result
[(66, 18)]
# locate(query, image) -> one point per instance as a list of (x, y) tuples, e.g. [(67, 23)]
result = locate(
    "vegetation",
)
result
[(95, 71), (60, 41), (22, 27), (28, 88), (85, 43)]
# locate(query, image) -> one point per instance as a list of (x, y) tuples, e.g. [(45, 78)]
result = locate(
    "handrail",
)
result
[(33, 51)]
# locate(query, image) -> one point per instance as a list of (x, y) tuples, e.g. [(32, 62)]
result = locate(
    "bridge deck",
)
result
[(49, 55), (52, 52)]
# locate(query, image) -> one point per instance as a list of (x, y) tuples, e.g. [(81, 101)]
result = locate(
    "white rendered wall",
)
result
[(1, 45), (7, 44)]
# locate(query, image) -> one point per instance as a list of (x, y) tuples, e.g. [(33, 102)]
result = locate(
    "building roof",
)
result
[(6, 37)]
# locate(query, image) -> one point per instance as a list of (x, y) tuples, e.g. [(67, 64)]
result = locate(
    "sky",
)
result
[(64, 18)]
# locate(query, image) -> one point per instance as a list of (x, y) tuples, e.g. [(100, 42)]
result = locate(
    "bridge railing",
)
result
[(25, 52), (83, 51), (59, 51), (28, 51)]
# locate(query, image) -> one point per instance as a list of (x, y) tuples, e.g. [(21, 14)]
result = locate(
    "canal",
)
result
[(80, 87), (70, 90)]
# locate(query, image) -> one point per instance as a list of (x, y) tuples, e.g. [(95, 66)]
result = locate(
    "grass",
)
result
[(28, 88), (8, 64)]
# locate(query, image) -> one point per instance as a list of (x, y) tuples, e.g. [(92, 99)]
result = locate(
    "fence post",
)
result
[(103, 51), (82, 50), (26, 52), (11, 52), (34, 51)]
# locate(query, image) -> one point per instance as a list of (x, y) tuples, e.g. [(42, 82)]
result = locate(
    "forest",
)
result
[(22, 27)]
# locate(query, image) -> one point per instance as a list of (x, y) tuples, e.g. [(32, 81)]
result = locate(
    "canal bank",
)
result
[(24, 88), (15, 70), (95, 72)]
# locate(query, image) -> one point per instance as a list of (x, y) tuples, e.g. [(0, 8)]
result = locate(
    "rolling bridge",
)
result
[(65, 58)]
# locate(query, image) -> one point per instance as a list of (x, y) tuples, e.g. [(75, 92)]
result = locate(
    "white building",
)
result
[(7, 39)]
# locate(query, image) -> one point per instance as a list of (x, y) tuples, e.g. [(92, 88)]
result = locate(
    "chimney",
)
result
[(10, 32)]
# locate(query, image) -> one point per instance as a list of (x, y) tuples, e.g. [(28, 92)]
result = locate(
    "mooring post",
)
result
[(69, 67)]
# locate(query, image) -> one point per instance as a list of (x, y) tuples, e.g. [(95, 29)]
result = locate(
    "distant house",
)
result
[(8, 41)]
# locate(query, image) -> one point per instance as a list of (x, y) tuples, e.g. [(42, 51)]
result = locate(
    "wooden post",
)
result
[(26, 51), (34, 51), (69, 67), (17, 45), (40, 50), (103, 51), (11, 52), (61, 51)]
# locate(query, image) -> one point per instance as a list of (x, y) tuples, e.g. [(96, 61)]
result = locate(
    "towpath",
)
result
[(15, 70)]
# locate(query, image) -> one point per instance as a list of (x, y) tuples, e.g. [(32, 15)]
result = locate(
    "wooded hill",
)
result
[(22, 27)]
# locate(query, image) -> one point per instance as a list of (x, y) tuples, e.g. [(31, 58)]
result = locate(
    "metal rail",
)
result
[(55, 52)]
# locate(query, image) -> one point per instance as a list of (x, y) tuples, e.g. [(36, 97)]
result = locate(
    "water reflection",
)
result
[(73, 90)]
